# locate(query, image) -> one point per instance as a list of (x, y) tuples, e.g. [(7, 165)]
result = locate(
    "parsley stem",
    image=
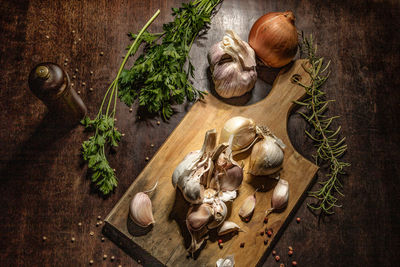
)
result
[(134, 47)]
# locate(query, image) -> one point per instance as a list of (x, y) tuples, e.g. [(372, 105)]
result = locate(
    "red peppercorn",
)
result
[(266, 220), (221, 245), (290, 253), (281, 265), (220, 241), (298, 219), (274, 252), (265, 241), (277, 258), (294, 263), (269, 233), (262, 233), (247, 219), (242, 245)]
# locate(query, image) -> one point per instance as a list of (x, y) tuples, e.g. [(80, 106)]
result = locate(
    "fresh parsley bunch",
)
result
[(158, 78), (93, 150)]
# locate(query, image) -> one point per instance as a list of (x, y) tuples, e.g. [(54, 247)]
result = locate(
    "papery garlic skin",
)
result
[(229, 261), (140, 210), (243, 130), (266, 157), (232, 63)]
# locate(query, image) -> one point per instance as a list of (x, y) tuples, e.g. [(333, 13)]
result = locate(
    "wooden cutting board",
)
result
[(165, 243)]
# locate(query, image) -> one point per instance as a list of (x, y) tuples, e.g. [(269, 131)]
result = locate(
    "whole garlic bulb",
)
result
[(232, 62), (266, 157), (243, 130)]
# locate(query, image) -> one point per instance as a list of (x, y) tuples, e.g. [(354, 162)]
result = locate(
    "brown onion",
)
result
[(274, 38)]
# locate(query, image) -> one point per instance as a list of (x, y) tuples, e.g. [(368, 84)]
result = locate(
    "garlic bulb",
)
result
[(280, 196), (140, 210), (232, 63), (244, 132), (266, 157), (274, 38), (195, 169)]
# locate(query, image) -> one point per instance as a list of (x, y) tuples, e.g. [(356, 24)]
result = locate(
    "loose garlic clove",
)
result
[(247, 208), (198, 216), (243, 130), (266, 157), (228, 227), (232, 63), (140, 210), (280, 196)]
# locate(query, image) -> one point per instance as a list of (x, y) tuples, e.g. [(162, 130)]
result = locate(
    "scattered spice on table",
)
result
[(294, 263), (277, 258), (44, 238), (242, 245), (298, 219), (274, 252), (105, 256), (91, 262)]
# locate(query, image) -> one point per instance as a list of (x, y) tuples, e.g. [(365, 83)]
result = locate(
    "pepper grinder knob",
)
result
[(51, 84)]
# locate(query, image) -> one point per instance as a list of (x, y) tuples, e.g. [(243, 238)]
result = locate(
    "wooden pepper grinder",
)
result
[(51, 84)]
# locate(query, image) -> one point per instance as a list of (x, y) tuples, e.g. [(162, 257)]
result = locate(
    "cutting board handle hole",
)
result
[(296, 78)]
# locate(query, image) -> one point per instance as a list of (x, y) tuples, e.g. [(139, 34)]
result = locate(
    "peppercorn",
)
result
[(91, 234), (44, 238), (221, 245), (123, 134), (298, 219), (48, 37), (158, 122), (73, 31), (262, 233), (274, 252), (277, 258), (105, 256), (266, 242), (76, 70), (220, 241), (72, 239), (147, 158), (101, 53), (242, 245), (75, 42), (269, 233), (83, 83), (281, 265), (99, 217), (97, 224), (91, 89), (79, 224), (131, 109), (79, 92), (266, 220), (102, 239), (112, 258), (290, 248), (151, 145), (290, 253), (294, 263), (91, 262)]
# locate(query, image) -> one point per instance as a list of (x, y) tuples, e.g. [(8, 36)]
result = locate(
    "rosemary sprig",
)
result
[(330, 148), (93, 150)]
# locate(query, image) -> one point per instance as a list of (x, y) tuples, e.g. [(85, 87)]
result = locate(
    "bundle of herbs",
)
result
[(158, 78)]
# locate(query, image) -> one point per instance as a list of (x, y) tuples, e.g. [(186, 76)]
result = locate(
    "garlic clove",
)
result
[(247, 208), (266, 157), (242, 129), (280, 196), (140, 210), (228, 227), (198, 216), (231, 179), (193, 191)]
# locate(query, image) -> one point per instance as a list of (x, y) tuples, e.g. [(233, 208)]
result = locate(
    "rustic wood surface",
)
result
[(44, 189), (170, 209)]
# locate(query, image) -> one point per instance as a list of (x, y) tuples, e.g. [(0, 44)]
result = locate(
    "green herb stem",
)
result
[(93, 150), (329, 148)]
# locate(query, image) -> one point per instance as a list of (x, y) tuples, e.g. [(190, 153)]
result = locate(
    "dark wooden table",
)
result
[(44, 190)]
